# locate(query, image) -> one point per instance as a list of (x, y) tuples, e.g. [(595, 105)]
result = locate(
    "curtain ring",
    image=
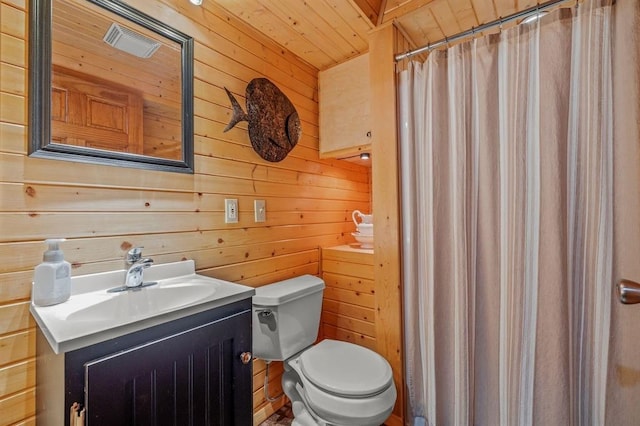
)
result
[(500, 23)]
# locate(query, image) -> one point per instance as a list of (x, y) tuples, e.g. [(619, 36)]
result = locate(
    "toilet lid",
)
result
[(346, 369)]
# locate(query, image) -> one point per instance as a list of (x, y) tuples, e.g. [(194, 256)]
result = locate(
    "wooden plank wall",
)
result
[(103, 210), (349, 296)]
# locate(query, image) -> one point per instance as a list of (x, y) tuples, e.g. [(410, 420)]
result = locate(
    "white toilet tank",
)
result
[(286, 317)]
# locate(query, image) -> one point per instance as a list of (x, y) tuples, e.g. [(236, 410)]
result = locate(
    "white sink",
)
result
[(163, 297), (93, 315)]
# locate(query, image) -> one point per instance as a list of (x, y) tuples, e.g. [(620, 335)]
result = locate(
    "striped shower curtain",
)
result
[(506, 146)]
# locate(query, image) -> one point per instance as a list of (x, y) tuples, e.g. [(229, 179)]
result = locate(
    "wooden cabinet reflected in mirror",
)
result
[(118, 86)]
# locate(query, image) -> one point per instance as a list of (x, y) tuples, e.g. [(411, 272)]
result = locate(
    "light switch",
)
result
[(260, 210)]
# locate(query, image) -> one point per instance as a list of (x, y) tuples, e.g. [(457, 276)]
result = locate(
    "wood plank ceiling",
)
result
[(328, 32)]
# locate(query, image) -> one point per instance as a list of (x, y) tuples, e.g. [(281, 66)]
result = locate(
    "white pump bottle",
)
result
[(52, 278)]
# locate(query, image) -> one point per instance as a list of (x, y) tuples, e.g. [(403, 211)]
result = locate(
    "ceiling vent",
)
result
[(130, 41)]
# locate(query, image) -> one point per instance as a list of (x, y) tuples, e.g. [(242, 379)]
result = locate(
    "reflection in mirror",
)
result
[(117, 83)]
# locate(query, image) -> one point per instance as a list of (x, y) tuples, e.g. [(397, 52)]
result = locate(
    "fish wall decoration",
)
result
[(274, 125)]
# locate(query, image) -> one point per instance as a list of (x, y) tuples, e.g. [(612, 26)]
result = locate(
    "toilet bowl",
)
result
[(328, 383), (343, 384)]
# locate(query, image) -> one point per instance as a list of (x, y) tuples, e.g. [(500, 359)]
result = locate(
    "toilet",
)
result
[(331, 382)]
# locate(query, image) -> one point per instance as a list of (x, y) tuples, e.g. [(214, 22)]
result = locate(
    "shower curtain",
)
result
[(506, 148)]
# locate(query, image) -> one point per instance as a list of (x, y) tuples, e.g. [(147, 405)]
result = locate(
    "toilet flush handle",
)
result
[(264, 313)]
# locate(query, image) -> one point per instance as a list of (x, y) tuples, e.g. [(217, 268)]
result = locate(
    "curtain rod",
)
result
[(498, 22)]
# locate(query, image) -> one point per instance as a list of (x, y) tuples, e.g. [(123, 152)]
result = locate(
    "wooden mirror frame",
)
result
[(40, 68)]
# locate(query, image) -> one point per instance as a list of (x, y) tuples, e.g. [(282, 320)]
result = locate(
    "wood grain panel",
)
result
[(18, 407), (15, 286), (17, 347), (309, 35), (485, 11), (13, 50), (348, 323), (331, 332), (358, 284), (13, 167), (256, 13), (245, 271), (362, 257), (505, 7), (14, 108), (399, 9), (20, 4), (352, 297), (349, 300), (312, 27), (108, 224), (465, 15), (386, 256), (348, 310), (17, 377), (207, 248), (339, 23), (13, 20), (263, 408), (15, 317), (259, 372), (240, 38), (13, 138), (370, 8), (348, 268), (14, 79)]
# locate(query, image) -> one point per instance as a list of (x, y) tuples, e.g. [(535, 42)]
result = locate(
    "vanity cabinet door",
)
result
[(195, 377)]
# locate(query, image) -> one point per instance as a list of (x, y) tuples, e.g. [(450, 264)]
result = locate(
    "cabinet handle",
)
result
[(245, 357)]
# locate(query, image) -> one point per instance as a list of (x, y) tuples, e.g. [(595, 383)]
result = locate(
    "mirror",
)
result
[(109, 85)]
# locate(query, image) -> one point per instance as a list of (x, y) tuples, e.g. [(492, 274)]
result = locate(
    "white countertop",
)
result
[(92, 315)]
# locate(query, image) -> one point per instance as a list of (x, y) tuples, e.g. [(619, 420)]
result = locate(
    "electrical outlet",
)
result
[(260, 210), (230, 210)]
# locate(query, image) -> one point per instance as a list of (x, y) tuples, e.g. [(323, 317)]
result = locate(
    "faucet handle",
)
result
[(134, 255)]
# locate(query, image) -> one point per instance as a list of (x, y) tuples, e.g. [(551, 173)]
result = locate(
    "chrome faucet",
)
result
[(136, 265), (134, 273)]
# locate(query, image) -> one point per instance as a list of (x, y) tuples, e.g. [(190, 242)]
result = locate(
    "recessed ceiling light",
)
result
[(196, 2), (365, 156)]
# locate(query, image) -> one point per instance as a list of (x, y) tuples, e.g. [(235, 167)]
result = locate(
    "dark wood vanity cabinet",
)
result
[(190, 378), (185, 372)]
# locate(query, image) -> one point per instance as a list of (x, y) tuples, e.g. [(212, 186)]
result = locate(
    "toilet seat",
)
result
[(369, 401), (346, 369)]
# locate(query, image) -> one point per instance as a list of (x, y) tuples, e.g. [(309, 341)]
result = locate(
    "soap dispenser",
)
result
[(52, 278)]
